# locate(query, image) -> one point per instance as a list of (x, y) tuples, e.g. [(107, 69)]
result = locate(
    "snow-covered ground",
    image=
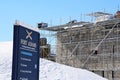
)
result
[(48, 70)]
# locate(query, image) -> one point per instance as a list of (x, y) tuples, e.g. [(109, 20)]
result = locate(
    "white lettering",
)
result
[(32, 44), (24, 42), (23, 78), (25, 71), (23, 65), (25, 59)]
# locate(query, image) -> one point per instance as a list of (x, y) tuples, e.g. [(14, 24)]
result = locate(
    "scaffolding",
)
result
[(46, 46), (91, 46)]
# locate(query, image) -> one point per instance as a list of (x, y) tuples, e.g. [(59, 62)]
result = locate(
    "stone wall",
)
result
[(76, 45)]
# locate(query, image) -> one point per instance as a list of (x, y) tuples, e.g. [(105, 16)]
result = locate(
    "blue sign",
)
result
[(25, 53)]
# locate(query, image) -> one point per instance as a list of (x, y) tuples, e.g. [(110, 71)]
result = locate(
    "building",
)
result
[(92, 46)]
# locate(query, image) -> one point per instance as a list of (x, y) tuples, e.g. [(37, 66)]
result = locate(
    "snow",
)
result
[(48, 70), (26, 25)]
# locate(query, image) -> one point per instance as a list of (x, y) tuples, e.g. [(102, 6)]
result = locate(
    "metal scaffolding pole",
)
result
[(98, 45)]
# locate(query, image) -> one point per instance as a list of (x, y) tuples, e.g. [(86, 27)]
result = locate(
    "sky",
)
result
[(53, 12)]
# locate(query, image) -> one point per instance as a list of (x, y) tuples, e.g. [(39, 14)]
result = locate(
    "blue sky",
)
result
[(50, 11)]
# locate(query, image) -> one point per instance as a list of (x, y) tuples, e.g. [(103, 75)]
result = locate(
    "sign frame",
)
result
[(25, 64)]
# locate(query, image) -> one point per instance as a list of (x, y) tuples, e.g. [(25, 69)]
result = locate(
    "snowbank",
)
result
[(48, 70)]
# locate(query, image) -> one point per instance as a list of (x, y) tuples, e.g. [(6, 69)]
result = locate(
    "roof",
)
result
[(66, 26), (97, 14), (81, 24)]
